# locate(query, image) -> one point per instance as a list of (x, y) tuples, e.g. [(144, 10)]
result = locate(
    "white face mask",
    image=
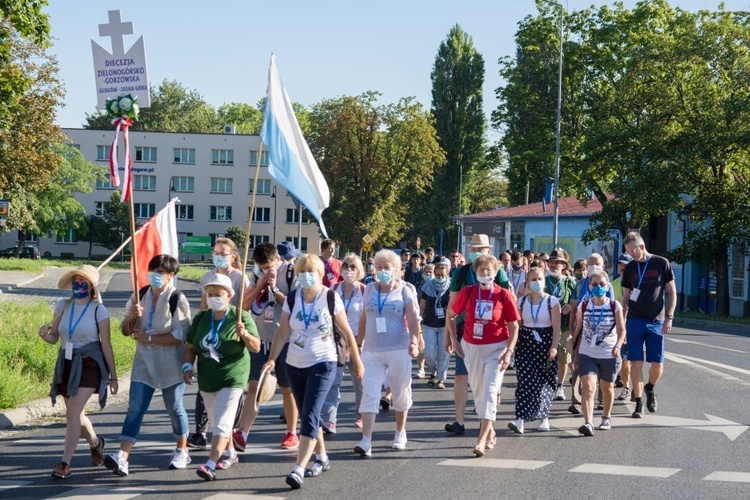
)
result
[(216, 303), (555, 274), (593, 267), (350, 275), (485, 280)]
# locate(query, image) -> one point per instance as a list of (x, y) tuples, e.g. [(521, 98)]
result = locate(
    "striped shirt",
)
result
[(599, 334)]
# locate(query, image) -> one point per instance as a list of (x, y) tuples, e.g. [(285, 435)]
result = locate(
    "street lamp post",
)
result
[(460, 189), (273, 195), (556, 212)]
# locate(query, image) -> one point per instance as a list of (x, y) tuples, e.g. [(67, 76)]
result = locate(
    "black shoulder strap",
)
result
[(331, 297), (290, 300), (142, 292), (523, 301), (289, 276), (549, 305), (174, 299), (96, 318)]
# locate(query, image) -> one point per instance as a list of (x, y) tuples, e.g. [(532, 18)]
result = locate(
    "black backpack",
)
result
[(174, 299), (338, 339)]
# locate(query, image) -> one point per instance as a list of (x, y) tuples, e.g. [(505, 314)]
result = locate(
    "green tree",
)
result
[(27, 18), (457, 78), (95, 230), (238, 235), (246, 118), (117, 218), (377, 159)]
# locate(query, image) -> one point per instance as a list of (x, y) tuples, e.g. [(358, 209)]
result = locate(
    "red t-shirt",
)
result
[(497, 307), (332, 273)]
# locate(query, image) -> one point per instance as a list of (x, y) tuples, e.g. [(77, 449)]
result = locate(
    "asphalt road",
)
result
[(695, 446)]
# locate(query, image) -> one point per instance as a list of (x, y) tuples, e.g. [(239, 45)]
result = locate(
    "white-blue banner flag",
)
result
[(290, 160)]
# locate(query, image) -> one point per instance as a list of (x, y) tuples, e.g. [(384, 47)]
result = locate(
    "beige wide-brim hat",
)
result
[(87, 271), (266, 388), (480, 241)]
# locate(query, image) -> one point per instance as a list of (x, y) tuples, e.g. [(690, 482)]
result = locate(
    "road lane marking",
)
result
[(99, 492), (235, 496), (625, 470), (714, 363), (732, 477), (497, 463), (679, 359), (8, 485), (683, 341)]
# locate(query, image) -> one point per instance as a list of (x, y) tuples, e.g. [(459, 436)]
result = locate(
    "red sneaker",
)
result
[(238, 440), (291, 441)]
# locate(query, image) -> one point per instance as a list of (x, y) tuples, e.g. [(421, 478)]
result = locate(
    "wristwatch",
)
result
[(275, 289), (670, 316)]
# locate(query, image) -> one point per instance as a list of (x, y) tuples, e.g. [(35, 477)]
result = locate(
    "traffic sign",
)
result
[(368, 239), (367, 247), (197, 244)]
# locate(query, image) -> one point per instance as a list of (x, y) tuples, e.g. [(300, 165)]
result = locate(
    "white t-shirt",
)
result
[(352, 304), (84, 331), (599, 334), (541, 311), (312, 342)]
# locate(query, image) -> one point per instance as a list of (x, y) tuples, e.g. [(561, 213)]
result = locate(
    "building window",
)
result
[(264, 186), (30, 238), (220, 213), (292, 216), (144, 210), (214, 236), (184, 212), (738, 270), (77, 146), (517, 235), (66, 237), (99, 208), (102, 152), (221, 185), (184, 155), (144, 183), (259, 238), (254, 158), (222, 156), (294, 240), (262, 214), (183, 184), (105, 183), (145, 154)]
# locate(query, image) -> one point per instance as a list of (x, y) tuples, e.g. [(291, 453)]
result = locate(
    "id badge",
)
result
[(483, 310), (330, 277), (635, 294), (536, 336), (478, 330), (439, 312), (268, 314), (150, 331), (213, 354), (69, 351), (300, 340), (380, 324)]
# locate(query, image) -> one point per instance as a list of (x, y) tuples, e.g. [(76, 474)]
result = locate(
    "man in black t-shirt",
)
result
[(644, 282)]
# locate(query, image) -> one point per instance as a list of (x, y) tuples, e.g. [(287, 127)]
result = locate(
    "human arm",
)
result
[(51, 333), (620, 327), (512, 339), (279, 339), (671, 306), (342, 324), (362, 329), (109, 357), (188, 358), (412, 319), (247, 332), (556, 319)]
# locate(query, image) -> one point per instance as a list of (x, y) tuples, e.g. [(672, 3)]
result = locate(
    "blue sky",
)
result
[(323, 48)]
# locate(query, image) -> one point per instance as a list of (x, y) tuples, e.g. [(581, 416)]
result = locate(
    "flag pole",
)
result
[(114, 254), (133, 254), (250, 224)]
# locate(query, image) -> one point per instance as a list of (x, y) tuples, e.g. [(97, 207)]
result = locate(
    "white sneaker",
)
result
[(421, 373), (516, 426), (544, 425), (560, 394), (606, 424), (116, 463), (180, 459), (364, 448), (399, 440)]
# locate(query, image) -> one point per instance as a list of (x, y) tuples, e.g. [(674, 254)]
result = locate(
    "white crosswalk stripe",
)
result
[(732, 477), (625, 470), (497, 463), (103, 493), (7, 485)]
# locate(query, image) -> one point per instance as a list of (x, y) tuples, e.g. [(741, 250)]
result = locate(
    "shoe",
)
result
[(290, 442), (329, 427), (606, 424), (544, 425), (385, 403), (440, 384), (638, 412), (600, 406), (238, 440), (574, 409), (516, 426), (586, 429), (560, 394), (618, 382), (318, 468), (197, 441), (61, 471), (117, 464), (226, 462), (358, 422), (97, 452), (180, 459), (206, 473), (455, 428), (294, 480), (421, 373), (491, 443), (624, 394), (432, 380), (399, 440), (364, 448), (478, 451), (651, 401)]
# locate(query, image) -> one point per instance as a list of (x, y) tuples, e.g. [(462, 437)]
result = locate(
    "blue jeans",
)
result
[(330, 409), (310, 387), (436, 357), (140, 400)]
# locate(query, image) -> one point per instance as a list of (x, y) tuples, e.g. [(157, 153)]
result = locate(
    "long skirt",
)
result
[(537, 377)]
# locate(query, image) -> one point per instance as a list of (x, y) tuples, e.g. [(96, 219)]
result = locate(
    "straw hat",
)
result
[(221, 280), (480, 241), (266, 388), (87, 271)]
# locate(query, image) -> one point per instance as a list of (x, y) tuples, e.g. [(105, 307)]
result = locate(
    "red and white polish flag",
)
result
[(157, 236)]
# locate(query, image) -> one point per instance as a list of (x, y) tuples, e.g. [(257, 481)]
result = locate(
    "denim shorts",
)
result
[(605, 368), (642, 331)]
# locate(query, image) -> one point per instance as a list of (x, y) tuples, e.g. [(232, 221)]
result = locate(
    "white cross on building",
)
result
[(116, 29)]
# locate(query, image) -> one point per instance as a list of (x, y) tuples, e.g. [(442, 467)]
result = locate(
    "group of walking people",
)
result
[(308, 318)]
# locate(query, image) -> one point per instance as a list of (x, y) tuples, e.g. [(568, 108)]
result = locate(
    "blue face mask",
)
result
[(385, 277), (221, 261), (441, 281), (80, 290), (307, 280), (427, 279), (474, 255), (599, 291), (156, 280)]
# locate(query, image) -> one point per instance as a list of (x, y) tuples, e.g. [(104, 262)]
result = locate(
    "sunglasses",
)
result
[(353, 267)]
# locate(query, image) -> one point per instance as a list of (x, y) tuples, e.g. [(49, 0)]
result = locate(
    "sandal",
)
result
[(385, 403), (489, 445), (478, 451)]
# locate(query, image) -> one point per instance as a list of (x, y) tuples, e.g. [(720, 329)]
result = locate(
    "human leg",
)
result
[(77, 423)]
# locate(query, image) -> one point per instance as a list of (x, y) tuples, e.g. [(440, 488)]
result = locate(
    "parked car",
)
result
[(26, 253)]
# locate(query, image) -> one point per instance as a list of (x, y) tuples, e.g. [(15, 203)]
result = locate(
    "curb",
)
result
[(708, 324), (8, 288), (42, 408)]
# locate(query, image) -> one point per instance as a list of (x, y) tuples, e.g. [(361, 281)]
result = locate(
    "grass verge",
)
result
[(28, 362), (745, 320), (36, 266)]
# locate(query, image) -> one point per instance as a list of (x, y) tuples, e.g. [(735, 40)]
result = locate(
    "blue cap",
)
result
[(624, 259), (287, 251)]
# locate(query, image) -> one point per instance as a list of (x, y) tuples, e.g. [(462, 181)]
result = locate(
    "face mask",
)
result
[(440, 281), (385, 277), (485, 280), (428, 278), (536, 286), (516, 267), (369, 268), (307, 280), (599, 291), (156, 280), (221, 261), (350, 275), (579, 276), (80, 290), (473, 255), (216, 303), (257, 271), (555, 274), (593, 267)]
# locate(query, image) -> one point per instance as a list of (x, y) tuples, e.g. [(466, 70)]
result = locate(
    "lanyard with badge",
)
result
[(595, 323), (482, 313), (215, 338), (347, 303), (380, 325), (302, 336), (151, 330), (71, 328), (329, 271), (637, 291), (556, 290), (439, 309), (534, 317), (517, 282)]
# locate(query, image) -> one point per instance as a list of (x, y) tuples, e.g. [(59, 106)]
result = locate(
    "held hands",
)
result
[(241, 331), (44, 332), (137, 312)]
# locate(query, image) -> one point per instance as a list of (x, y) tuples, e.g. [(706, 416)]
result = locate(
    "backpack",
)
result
[(338, 339), (174, 299)]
